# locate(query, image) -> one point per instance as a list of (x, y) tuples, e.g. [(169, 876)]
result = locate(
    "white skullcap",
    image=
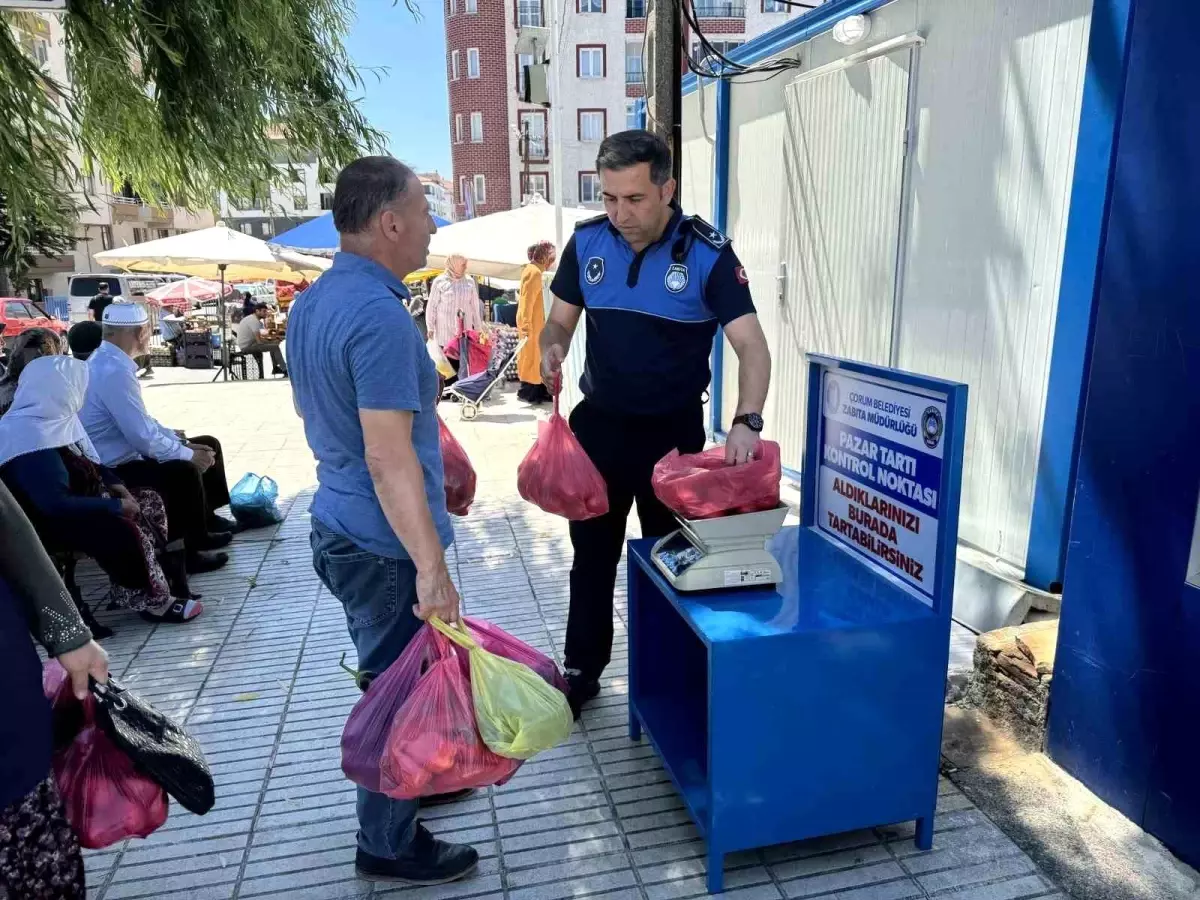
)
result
[(125, 314)]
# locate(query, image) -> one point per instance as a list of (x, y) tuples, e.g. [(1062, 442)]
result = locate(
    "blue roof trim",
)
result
[(794, 32)]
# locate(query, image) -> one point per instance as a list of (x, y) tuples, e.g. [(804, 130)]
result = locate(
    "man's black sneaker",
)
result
[(213, 540), (427, 861), (580, 690), (199, 563), (218, 524), (443, 799)]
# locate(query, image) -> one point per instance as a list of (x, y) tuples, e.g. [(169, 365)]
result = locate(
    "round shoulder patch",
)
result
[(593, 272), (741, 276)]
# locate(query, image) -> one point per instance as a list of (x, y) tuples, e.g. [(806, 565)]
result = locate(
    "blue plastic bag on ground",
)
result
[(252, 501)]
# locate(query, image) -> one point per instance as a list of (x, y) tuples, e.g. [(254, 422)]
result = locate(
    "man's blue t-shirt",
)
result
[(352, 345)]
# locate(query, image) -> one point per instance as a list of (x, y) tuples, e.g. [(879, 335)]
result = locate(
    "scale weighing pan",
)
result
[(721, 553)]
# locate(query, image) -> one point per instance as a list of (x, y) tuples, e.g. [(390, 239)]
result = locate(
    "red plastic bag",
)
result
[(66, 710), (434, 746), (704, 486), (106, 798), (460, 474), (558, 476)]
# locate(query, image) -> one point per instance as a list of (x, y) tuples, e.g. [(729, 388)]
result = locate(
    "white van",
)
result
[(82, 288)]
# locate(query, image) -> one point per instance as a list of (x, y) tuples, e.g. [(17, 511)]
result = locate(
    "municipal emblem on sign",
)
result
[(931, 427), (593, 273), (677, 278), (833, 397)]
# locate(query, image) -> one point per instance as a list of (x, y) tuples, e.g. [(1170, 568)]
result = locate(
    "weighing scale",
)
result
[(722, 553)]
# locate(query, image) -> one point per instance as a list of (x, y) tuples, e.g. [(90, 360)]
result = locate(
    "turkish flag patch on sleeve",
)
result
[(740, 274)]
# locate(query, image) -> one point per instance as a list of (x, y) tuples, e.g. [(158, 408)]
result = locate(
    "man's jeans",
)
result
[(378, 595)]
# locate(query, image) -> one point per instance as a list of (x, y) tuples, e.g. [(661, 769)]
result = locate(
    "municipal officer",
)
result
[(655, 284)]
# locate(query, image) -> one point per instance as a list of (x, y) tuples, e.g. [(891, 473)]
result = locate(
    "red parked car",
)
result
[(17, 315)]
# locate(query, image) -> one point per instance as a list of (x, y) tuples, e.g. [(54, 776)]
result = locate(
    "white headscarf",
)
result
[(45, 411)]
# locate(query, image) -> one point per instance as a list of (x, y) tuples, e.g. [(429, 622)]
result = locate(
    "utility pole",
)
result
[(556, 148), (664, 81)]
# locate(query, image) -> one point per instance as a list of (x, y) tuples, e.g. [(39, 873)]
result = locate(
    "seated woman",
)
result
[(27, 346), (50, 465)]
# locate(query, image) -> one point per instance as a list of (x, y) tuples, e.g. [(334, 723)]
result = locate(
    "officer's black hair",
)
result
[(629, 148), (364, 188)]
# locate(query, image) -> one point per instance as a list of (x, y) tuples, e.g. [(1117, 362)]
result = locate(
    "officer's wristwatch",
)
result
[(753, 421)]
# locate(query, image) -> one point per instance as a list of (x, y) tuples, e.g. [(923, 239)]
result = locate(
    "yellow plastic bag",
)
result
[(519, 715), (439, 359)]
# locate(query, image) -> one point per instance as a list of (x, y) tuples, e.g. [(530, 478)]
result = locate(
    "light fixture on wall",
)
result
[(852, 30)]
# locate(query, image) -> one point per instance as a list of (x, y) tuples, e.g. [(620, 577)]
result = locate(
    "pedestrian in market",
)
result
[(655, 285), (367, 391), (531, 319)]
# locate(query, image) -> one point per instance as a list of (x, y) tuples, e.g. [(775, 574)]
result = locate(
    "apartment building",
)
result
[(439, 192), (501, 145), (108, 216)]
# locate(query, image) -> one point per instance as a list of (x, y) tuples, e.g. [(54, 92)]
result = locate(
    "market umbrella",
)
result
[(319, 234), (183, 294), (497, 245), (217, 252)]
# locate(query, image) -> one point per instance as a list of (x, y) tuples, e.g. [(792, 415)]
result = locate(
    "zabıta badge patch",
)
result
[(593, 272), (676, 278)]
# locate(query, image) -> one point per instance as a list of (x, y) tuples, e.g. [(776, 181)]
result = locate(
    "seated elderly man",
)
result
[(189, 474), (252, 337)]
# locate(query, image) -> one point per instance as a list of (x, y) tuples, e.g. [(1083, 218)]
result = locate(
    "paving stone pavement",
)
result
[(257, 680)]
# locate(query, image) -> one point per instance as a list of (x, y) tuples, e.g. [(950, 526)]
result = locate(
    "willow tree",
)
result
[(175, 97)]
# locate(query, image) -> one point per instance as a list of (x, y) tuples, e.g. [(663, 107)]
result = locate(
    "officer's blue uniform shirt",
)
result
[(651, 316)]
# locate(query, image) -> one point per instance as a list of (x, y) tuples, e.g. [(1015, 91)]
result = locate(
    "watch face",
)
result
[(753, 421)]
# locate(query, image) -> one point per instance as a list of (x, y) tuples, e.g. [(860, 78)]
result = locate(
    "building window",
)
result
[(719, 9), (533, 133), (471, 6), (458, 128), (593, 125), (473, 63), (139, 235), (454, 65), (451, 7), (164, 233), (774, 6), (524, 61), (635, 71), (480, 190), (106, 237), (535, 183), (589, 187), (700, 54), (267, 229), (476, 128), (247, 228), (529, 13), (635, 9), (590, 6), (591, 61), (299, 197), (635, 114), (326, 200)]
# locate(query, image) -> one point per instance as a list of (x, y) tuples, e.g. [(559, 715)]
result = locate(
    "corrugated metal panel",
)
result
[(999, 90), (844, 171)]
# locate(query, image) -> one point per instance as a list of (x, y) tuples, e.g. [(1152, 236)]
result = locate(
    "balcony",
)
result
[(635, 9), (529, 14), (719, 9), (635, 75)]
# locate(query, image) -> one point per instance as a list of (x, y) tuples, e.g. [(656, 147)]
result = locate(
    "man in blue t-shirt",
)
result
[(655, 285), (367, 391)]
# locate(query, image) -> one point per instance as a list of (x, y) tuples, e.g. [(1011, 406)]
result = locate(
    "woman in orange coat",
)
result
[(531, 318)]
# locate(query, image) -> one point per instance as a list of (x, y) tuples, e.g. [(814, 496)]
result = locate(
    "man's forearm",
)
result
[(553, 335), (754, 380), (400, 486)]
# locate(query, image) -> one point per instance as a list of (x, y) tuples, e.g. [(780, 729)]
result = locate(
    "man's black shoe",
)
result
[(214, 540), (218, 524), (199, 563), (580, 690), (443, 799), (427, 861)]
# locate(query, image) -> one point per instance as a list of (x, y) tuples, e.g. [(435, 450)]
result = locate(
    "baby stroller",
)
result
[(470, 391)]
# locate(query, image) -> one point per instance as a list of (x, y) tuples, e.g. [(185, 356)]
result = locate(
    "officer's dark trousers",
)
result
[(624, 449)]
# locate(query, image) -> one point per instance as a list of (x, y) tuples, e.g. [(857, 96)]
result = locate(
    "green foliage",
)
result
[(37, 237), (178, 97)]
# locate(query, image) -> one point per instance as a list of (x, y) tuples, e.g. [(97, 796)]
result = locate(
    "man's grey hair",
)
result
[(108, 331), (364, 188), (630, 148)]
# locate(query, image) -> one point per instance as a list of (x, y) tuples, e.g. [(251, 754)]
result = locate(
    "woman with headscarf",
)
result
[(50, 465), (531, 318), (40, 857), (27, 346), (453, 292)]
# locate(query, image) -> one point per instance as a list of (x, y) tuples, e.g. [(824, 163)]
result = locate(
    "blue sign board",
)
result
[(881, 447)]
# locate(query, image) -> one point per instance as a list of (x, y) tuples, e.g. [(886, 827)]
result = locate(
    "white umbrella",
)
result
[(217, 252), (182, 294), (497, 245)]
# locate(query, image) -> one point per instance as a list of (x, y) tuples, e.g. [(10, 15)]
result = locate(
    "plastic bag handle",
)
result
[(455, 633), (557, 389)]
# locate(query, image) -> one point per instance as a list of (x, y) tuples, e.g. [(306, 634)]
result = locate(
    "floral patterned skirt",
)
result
[(152, 528), (40, 857)]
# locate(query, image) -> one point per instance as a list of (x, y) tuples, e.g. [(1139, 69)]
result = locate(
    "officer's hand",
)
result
[(740, 446), (552, 361)]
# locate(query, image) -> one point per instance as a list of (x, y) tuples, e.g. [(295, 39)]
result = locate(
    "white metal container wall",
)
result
[(997, 111)]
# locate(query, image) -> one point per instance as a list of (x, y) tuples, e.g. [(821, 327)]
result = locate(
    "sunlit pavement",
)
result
[(257, 680)]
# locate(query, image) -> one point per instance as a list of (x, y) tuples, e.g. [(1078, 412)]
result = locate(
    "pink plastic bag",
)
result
[(460, 474), (434, 746), (558, 476), (704, 486), (106, 798), (497, 641)]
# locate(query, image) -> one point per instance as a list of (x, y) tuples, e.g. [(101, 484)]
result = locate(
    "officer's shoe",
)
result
[(427, 861), (580, 690)]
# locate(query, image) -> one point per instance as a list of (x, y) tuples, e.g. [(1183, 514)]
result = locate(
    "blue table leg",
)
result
[(924, 837), (716, 870), (635, 725)]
